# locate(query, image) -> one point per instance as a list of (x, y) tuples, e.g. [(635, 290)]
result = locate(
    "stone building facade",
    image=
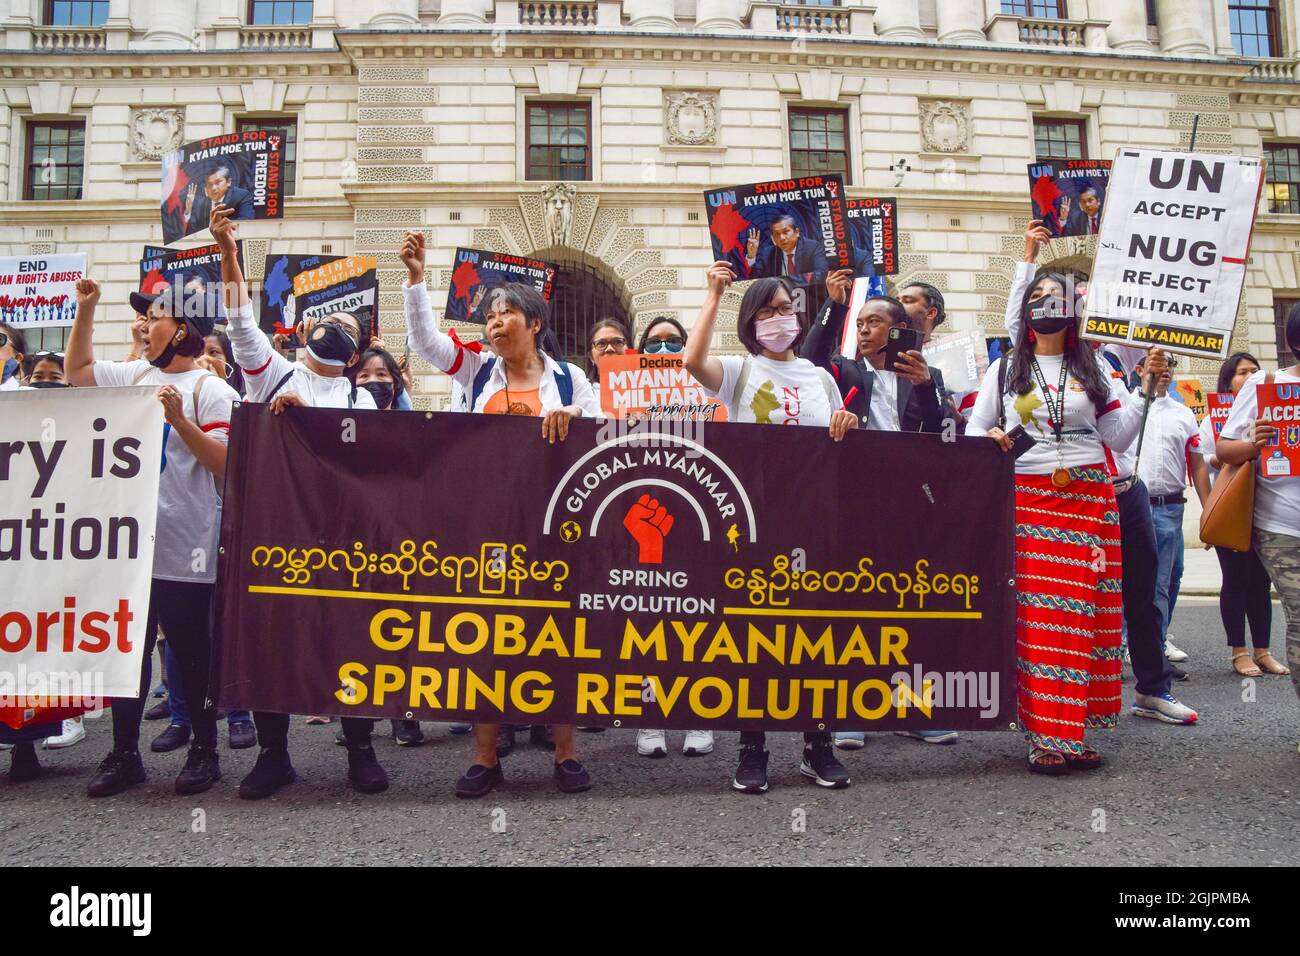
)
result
[(416, 114)]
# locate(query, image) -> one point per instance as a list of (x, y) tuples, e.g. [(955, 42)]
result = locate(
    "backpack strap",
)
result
[(742, 380), (564, 382), (480, 382), (279, 385)]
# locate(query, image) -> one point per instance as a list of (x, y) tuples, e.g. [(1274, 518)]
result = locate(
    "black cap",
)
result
[(194, 307)]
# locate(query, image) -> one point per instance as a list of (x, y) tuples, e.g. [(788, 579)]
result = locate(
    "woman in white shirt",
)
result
[(1068, 615), (771, 385), (1245, 595), (1277, 500)]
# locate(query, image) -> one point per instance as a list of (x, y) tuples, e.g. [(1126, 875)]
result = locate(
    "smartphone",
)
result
[(1021, 441), (900, 340)]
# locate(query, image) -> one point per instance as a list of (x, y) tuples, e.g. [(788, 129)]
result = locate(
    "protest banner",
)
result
[(242, 170), (1069, 195), (1279, 406), (657, 387), (633, 578), (297, 287), (40, 290), (861, 290), (476, 272), (1171, 258), (962, 358), (783, 227), (78, 502), (873, 227), (198, 271), (1219, 407), (1188, 390)]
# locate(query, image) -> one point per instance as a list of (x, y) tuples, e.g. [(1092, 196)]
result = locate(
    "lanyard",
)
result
[(1056, 420)]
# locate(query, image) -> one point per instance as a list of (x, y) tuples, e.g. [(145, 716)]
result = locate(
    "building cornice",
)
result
[(118, 212)]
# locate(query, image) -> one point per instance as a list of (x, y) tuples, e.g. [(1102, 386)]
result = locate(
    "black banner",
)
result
[(725, 575)]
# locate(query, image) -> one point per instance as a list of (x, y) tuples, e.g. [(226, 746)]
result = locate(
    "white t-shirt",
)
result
[(883, 414), (795, 392), (1170, 435), (1205, 446), (189, 503), (1083, 432), (1277, 500)]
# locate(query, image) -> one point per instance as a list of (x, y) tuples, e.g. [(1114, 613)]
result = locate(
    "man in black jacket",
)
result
[(916, 407), (790, 253)]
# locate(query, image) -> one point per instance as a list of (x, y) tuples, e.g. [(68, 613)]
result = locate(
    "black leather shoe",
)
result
[(271, 772), (572, 777), (201, 771), (479, 780), (407, 733), (23, 765), (242, 735), (174, 737), (364, 771), (159, 711), (119, 770)]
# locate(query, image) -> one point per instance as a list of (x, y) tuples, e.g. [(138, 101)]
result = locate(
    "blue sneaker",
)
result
[(931, 736), (850, 739)]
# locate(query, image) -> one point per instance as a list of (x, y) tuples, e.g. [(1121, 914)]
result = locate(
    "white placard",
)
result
[(40, 290)]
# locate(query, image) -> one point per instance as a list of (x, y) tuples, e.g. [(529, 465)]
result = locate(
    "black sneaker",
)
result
[(119, 770), (407, 733), (364, 771), (1177, 672), (23, 765), (174, 737), (819, 764), (479, 780), (571, 777), (159, 711), (505, 740), (751, 772), (542, 736), (592, 730), (271, 772), (201, 771), (242, 735)]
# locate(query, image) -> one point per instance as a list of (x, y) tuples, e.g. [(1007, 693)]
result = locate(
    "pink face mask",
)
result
[(777, 333)]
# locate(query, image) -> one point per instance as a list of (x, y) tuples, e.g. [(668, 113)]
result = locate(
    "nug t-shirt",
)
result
[(794, 392)]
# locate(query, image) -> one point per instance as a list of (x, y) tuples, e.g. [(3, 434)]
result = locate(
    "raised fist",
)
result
[(648, 522)]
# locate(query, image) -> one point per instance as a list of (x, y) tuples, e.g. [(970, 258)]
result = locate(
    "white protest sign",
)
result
[(1172, 252), (961, 357), (40, 290), (79, 472)]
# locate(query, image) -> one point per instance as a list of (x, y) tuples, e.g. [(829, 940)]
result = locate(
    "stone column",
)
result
[(1128, 25), (404, 13), (168, 25), (898, 20), (650, 14), (719, 16), (1186, 28), (961, 21)]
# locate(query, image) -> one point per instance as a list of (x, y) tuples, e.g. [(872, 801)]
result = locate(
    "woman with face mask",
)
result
[(771, 385), (519, 376), (197, 407), (1068, 617), (13, 349), (663, 336), (377, 372), (318, 380)]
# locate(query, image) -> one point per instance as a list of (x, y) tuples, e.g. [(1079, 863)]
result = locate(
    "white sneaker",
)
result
[(1173, 653), (73, 733), (4, 747), (698, 743), (651, 743), (1165, 707)]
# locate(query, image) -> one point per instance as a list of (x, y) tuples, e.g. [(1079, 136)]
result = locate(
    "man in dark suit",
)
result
[(1085, 218), (789, 254), (217, 188), (915, 406)]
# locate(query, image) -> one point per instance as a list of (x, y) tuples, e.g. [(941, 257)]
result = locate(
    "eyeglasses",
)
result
[(45, 353), (609, 345), (673, 345), (785, 308)]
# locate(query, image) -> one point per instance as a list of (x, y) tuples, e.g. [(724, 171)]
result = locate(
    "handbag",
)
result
[(1228, 517)]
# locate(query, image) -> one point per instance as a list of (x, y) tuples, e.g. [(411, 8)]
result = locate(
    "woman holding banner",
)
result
[(1068, 567), (518, 378), (196, 406), (771, 327)]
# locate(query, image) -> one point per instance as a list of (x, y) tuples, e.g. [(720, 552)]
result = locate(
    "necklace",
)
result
[(1055, 417)]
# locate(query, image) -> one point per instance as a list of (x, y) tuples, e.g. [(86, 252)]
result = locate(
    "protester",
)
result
[(197, 407), (925, 313), (1277, 500), (1152, 671), (331, 346), (13, 349), (771, 328), (518, 378), (377, 372), (664, 335), (219, 358), (608, 337), (1067, 553), (44, 369), (1245, 595)]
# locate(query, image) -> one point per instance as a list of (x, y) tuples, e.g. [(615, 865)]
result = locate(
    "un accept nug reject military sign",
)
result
[(1172, 252)]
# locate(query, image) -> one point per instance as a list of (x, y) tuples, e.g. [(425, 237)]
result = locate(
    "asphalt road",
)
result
[(1226, 791)]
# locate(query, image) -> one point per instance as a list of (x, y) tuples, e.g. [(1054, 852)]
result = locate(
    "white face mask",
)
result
[(777, 333)]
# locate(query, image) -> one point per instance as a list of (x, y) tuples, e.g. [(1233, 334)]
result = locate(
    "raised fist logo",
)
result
[(648, 522)]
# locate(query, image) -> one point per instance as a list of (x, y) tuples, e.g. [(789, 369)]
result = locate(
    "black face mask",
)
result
[(381, 392), (1047, 315), (165, 356), (49, 385), (330, 344)]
